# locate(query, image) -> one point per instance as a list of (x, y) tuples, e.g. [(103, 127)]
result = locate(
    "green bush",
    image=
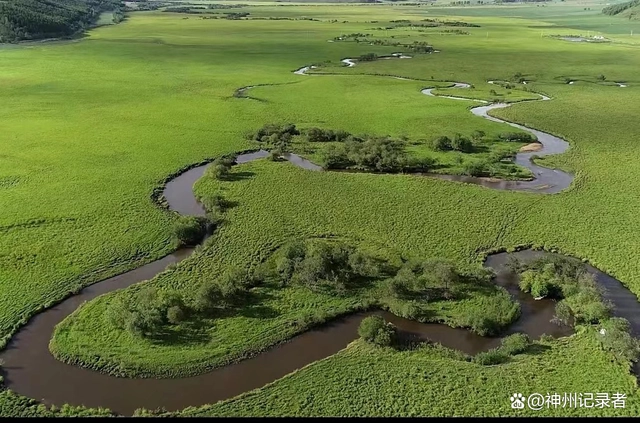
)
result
[(208, 297), (491, 357), (515, 344), (375, 330), (562, 313), (233, 286), (328, 264), (275, 155), (442, 143), (480, 323), (517, 137), (377, 154), (541, 283), (273, 133), (326, 135), (368, 57), (615, 336), (175, 314), (335, 157), (558, 277), (460, 143), (475, 168), (190, 230), (291, 258), (219, 171), (224, 292), (220, 168)]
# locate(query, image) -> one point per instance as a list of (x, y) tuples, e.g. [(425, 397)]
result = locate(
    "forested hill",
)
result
[(34, 19), (620, 8)]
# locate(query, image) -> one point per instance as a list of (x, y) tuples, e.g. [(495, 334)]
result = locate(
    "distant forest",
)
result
[(36, 19), (616, 9)]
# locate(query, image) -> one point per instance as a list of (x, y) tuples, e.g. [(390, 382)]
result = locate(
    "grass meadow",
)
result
[(91, 126)]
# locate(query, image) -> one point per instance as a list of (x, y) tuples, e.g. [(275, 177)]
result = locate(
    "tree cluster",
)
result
[(516, 137), (566, 280), (34, 19), (433, 280), (368, 57), (333, 265), (325, 135), (147, 312), (374, 154), (458, 143), (220, 168), (276, 134)]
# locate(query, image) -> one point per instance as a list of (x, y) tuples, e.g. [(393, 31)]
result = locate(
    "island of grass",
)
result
[(474, 155), (153, 330)]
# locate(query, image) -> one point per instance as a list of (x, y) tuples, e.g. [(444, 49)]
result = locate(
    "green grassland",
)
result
[(92, 127), (429, 381)]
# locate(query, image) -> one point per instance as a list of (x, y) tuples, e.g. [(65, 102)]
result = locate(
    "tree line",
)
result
[(37, 19)]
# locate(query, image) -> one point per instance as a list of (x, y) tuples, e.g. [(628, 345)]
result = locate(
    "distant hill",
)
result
[(630, 9), (35, 19)]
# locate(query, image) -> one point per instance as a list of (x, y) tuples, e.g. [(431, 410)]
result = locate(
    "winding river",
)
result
[(30, 369), (545, 180)]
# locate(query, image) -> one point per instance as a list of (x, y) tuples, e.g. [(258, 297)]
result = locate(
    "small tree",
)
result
[(208, 297)]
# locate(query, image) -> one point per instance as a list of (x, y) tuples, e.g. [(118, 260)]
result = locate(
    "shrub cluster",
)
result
[(615, 337), (276, 134), (190, 230), (368, 57), (516, 137), (566, 279), (375, 330), (220, 168), (420, 282), (374, 154), (428, 280), (147, 312), (336, 265), (416, 46), (458, 143), (510, 345), (326, 135), (224, 292)]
